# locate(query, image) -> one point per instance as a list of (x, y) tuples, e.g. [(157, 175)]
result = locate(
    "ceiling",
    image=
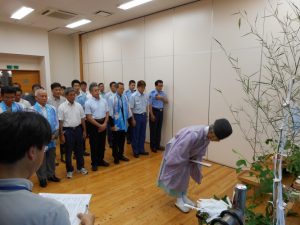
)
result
[(82, 9)]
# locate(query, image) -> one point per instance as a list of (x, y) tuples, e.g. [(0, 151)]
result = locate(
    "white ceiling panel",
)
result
[(82, 9)]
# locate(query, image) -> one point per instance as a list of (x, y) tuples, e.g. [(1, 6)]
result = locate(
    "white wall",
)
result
[(21, 40), (24, 62), (178, 47), (64, 58), (55, 56)]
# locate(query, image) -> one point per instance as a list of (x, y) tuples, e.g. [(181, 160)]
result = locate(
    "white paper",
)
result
[(74, 203)]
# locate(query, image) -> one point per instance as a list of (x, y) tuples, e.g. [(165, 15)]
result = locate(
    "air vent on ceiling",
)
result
[(102, 13), (59, 14)]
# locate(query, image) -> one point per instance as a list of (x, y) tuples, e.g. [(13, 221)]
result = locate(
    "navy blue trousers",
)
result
[(74, 142), (155, 128), (138, 133)]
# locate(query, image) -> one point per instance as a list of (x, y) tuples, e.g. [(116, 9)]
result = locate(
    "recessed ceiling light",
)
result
[(78, 23), (22, 12), (133, 3)]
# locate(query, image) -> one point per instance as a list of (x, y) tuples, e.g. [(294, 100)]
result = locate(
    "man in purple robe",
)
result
[(189, 143)]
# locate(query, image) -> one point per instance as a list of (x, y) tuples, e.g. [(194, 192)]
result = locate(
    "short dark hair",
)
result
[(75, 82), (222, 128), (18, 89), (141, 83), (92, 85), (112, 83), (100, 84), (118, 84), (55, 85), (8, 90), (158, 82), (35, 86), (68, 90), (19, 132), (131, 82), (83, 82), (63, 87)]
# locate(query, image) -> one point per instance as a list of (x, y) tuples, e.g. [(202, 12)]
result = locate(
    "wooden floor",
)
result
[(126, 194)]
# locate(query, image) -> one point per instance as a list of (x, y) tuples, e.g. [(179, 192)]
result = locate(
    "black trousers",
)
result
[(128, 134), (97, 143), (118, 144), (155, 128), (74, 142)]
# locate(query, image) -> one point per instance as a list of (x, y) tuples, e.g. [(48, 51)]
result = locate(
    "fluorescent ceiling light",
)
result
[(22, 12), (133, 3), (78, 23)]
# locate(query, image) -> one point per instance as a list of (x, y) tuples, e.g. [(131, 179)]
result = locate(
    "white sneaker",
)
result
[(188, 201), (83, 171), (180, 205), (69, 175)]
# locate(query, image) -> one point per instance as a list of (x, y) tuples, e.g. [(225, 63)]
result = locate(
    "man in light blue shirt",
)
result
[(139, 105), (119, 112), (112, 92), (128, 94), (8, 103), (101, 90), (47, 169), (157, 101), (97, 114), (23, 138), (81, 98)]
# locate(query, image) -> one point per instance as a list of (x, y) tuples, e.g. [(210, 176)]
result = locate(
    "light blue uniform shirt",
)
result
[(26, 208), (138, 102), (108, 95), (81, 99), (158, 104), (128, 93), (96, 107)]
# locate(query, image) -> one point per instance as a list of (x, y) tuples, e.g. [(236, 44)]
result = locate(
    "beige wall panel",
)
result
[(192, 28), (191, 90), (112, 72), (85, 73), (95, 49), (161, 68), (112, 43), (133, 39), (225, 25), (225, 79), (133, 70), (96, 73), (85, 46), (159, 34)]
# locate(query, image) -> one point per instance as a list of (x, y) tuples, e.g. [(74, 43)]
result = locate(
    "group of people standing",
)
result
[(75, 113)]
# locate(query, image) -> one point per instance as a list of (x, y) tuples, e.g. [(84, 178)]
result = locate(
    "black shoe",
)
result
[(116, 161), (94, 168), (136, 155), (144, 153), (161, 148), (123, 158), (103, 163), (54, 179), (153, 150), (86, 154), (43, 183)]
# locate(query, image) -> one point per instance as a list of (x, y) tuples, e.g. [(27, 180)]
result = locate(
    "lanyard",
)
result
[(13, 188)]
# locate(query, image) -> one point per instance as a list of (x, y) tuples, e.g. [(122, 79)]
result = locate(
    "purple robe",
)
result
[(176, 168)]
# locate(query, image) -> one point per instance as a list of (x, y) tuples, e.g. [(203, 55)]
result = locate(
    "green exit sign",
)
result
[(12, 67)]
